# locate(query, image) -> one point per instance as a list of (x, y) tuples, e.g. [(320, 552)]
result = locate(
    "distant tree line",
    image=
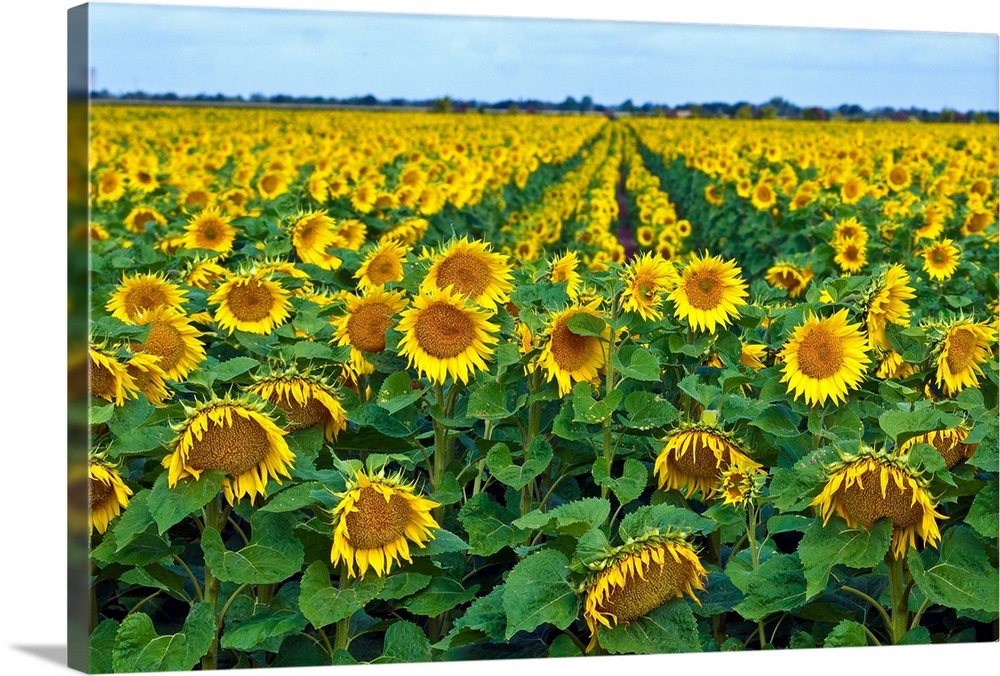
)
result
[(776, 108)]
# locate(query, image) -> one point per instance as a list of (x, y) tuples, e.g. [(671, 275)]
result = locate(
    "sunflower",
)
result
[(251, 302), (709, 292), (849, 230), (382, 265), (892, 365), (638, 577), (976, 221), (110, 379), (852, 190), (272, 184), (569, 357), (352, 233), (210, 229), (790, 277), (108, 493), (739, 485), (471, 269), (960, 346), (647, 280), (886, 302), (851, 256), (763, 197), (365, 322), (307, 400), (898, 177), (148, 377), (205, 274), (140, 217), (871, 485), (694, 457), (824, 358), (232, 435), (374, 519), (941, 259), (143, 292), (312, 234), (110, 185), (950, 443), (171, 338), (444, 335), (564, 269)]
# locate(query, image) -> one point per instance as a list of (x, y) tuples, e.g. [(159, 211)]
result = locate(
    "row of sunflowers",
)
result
[(394, 387)]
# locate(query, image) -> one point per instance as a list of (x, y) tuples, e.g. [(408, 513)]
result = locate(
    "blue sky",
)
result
[(191, 50)]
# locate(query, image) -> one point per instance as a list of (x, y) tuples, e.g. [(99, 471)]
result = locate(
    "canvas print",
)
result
[(529, 343)]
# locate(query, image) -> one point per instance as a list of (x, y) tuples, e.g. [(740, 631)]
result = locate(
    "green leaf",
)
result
[(961, 576), (664, 518), (501, 465), (629, 486), (134, 520), (274, 553), (405, 642), (130, 416), (401, 585), (307, 349), (670, 628), (294, 497), (100, 645), (252, 633), (916, 636), (900, 424), (488, 401), (586, 325), (587, 410), (101, 414), (323, 604), (538, 591), (372, 415), (983, 513), (777, 420), (778, 585), (563, 646), (823, 547), (138, 648), (169, 506), (441, 595), (699, 391), (444, 542), (846, 634), (646, 411), (231, 368), (573, 518), (485, 619), (637, 363), (489, 525), (397, 392), (449, 492)]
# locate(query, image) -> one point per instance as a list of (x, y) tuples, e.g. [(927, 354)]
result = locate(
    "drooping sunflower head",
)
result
[(472, 270), (307, 400), (251, 302), (143, 292), (695, 456), (950, 443), (886, 301), (382, 265), (709, 292), (870, 485), (109, 378), (148, 377), (790, 277), (445, 335), (941, 259), (365, 322), (173, 339), (960, 347), (141, 217), (564, 269), (107, 491), (210, 229), (891, 365), (638, 577), (236, 436), (647, 281), (569, 357), (376, 519), (824, 359)]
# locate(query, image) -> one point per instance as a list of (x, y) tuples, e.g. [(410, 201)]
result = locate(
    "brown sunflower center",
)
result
[(444, 331), (236, 448), (978, 221), (165, 342), (821, 353), (210, 231), (851, 253), (102, 381), (938, 257), (377, 521), (269, 183), (99, 493), (300, 416), (704, 290), (469, 274), (144, 296), (961, 350), (384, 267), (572, 351), (764, 193), (198, 198), (700, 461), (140, 220), (640, 596), (949, 444), (787, 279), (863, 501), (250, 301), (367, 325), (898, 176)]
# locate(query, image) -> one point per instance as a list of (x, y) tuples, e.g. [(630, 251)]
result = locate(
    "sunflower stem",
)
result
[(214, 518), (342, 638), (875, 604), (752, 514), (900, 613), (442, 444), (609, 383)]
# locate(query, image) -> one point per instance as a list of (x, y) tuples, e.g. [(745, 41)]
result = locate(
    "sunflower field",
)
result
[(404, 386)]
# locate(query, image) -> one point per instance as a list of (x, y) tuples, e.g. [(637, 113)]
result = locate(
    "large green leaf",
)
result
[(647, 411), (405, 642), (273, 555), (538, 591), (960, 576), (250, 634), (442, 594), (573, 518), (664, 518), (489, 525), (100, 646), (484, 620), (637, 363), (138, 648), (134, 520), (169, 506), (536, 458), (983, 513), (906, 422), (671, 628), (323, 604), (777, 585), (846, 634), (823, 547), (626, 488)]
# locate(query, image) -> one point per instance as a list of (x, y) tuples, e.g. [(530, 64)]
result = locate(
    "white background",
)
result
[(32, 227)]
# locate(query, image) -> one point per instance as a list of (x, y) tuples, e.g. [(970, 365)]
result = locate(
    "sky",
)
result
[(191, 50)]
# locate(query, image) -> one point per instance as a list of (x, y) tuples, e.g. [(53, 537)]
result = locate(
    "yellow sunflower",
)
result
[(790, 277), (307, 400), (941, 259), (851, 257), (950, 443), (232, 435), (638, 577), (171, 338), (365, 322), (960, 347), (210, 229), (108, 493), (251, 302), (709, 292), (849, 230), (140, 217), (444, 335), (568, 357), (695, 456), (824, 359), (373, 521), (891, 365), (885, 302), (471, 269), (740, 485), (647, 280), (312, 234), (110, 379), (763, 197), (852, 190), (272, 184), (205, 274), (352, 233), (110, 185), (148, 377), (868, 486), (564, 269), (143, 292), (898, 177), (384, 264), (976, 221)]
